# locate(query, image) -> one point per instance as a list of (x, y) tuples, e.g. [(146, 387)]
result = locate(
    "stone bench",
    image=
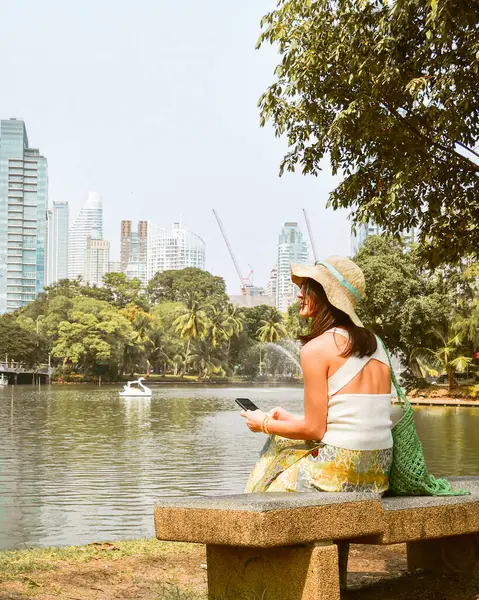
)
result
[(295, 546)]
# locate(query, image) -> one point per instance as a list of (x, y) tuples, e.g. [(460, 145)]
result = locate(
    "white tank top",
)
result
[(357, 421)]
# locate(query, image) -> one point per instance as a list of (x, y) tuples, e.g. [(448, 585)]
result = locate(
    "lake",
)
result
[(80, 464)]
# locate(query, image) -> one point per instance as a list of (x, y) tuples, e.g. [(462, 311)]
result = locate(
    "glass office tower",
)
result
[(291, 249), (57, 263), (90, 219), (365, 230), (23, 203)]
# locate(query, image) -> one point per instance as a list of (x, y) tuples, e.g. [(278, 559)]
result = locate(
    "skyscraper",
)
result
[(23, 204), (125, 242), (291, 249), (177, 248), (272, 284), (133, 243), (97, 258), (364, 231), (114, 266), (57, 263), (90, 219)]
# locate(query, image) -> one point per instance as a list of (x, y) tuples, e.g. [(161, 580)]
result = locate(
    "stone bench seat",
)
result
[(295, 546)]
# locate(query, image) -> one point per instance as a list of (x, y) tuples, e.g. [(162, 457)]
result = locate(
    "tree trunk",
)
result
[(415, 369), (187, 354), (451, 378)]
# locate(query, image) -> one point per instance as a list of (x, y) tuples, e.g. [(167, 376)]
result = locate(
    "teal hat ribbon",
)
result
[(340, 278)]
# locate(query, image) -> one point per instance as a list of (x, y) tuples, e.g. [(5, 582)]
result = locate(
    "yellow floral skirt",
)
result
[(297, 466)]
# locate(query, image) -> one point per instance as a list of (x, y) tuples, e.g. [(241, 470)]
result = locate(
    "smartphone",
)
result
[(246, 404)]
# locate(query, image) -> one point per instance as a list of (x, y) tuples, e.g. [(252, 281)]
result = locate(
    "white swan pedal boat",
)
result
[(141, 390)]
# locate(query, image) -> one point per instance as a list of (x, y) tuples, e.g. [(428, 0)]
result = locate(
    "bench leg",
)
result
[(343, 556), (286, 573), (455, 554)]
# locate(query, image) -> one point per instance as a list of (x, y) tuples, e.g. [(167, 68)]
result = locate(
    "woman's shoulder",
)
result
[(324, 344)]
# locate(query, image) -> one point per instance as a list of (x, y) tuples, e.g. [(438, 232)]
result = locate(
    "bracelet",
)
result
[(264, 425)]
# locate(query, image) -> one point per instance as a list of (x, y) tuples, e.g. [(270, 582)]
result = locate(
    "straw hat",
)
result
[(341, 278)]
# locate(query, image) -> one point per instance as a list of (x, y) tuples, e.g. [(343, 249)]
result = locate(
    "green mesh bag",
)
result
[(408, 475)]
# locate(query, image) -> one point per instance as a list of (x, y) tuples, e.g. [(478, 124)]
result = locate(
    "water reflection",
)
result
[(84, 464)]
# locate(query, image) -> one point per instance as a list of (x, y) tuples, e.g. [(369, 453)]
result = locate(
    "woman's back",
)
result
[(374, 376), (359, 397)]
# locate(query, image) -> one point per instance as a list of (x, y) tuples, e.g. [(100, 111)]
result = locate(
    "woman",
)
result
[(343, 442)]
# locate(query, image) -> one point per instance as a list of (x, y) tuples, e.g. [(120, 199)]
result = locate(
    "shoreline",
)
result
[(434, 401), (186, 383)]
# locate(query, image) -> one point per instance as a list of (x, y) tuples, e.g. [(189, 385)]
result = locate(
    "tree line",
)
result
[(183, 324)]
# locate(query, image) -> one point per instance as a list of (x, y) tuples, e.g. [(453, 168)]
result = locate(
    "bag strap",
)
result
[(400, 392), (436, 486)]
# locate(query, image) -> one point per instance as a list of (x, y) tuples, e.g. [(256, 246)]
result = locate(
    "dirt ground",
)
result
[(178, 572)]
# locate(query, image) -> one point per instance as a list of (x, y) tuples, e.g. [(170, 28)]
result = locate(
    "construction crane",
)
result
[(310, 233), (245, 281)]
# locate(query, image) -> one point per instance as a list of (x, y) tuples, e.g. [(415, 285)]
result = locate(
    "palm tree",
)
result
[(235, 319), (205, 358), (193, 322), (218, 327), (160, 352), (235, 323), (141, 342), (447, 356), (272, 327), (179, 362)]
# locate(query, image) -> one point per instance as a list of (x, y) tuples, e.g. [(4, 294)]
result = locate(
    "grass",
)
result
[(153, 570), (175, 593), (172, 592), (16, 562), (26, 565)]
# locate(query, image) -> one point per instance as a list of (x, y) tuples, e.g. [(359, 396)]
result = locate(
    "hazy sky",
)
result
[(153, 104)]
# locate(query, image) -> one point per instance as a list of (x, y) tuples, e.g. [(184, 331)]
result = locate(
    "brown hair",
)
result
[(362, 341)]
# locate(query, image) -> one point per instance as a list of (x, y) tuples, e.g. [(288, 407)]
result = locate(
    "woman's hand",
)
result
[(254, 419), (279, 414)]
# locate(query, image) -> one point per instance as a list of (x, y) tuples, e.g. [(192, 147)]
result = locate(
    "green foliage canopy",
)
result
[(179, 286), (120, 290), (389, 92), (93, 332), (402, 303), (20, 344)]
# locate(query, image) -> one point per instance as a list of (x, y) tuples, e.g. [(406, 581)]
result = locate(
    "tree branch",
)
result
[(468, 163), (467, 148)]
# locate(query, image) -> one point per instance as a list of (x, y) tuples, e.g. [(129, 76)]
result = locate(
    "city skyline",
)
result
[(129, 239), (80, 250), (193, 131), (116, 244)]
